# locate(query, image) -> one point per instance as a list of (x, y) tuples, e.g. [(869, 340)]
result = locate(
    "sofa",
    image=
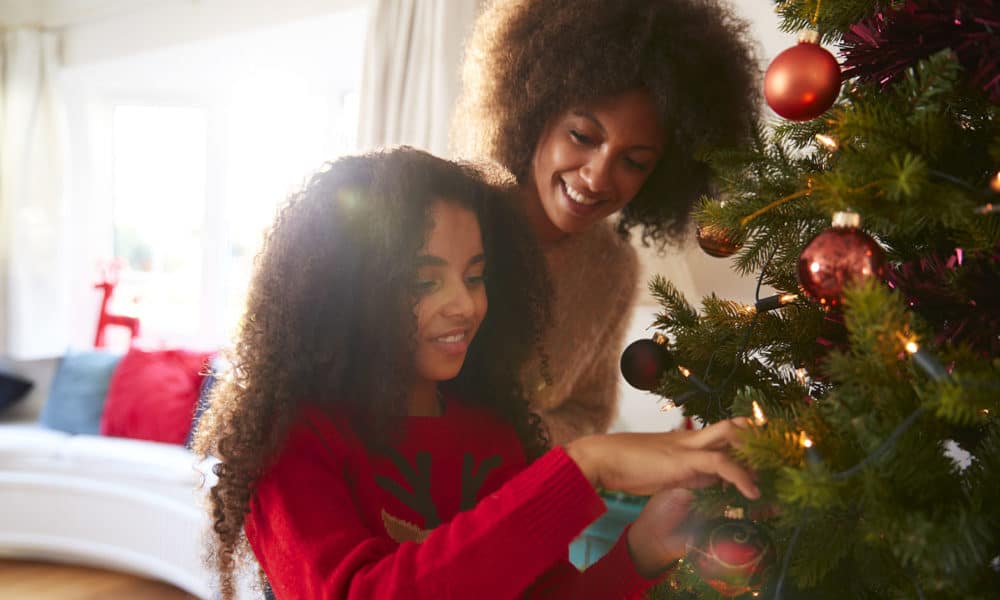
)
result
[(129, 505)]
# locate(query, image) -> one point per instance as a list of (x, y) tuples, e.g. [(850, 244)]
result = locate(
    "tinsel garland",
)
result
[(880, 49), (958, 295)]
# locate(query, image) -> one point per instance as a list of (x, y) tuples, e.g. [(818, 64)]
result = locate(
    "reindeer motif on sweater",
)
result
[(419, 497)]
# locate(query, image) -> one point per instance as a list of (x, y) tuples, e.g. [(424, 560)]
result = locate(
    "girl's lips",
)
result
[(453, 348), (455, 343)]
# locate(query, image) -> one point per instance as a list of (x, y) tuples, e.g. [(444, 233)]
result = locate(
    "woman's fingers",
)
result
[(721, 465), (718, 435)]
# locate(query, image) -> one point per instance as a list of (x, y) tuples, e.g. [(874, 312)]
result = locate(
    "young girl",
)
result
[(598, 108), (372, 436)]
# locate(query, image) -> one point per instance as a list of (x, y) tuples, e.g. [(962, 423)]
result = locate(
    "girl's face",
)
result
[(592, 160), (450, 291)]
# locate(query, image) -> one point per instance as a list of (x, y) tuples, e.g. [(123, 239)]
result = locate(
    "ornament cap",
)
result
[(808, 36), (846, 218)]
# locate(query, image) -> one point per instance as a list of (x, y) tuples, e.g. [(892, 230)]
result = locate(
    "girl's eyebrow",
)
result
[(429, 260)]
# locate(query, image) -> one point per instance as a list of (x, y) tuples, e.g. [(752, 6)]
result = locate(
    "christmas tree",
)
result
[(871, 365)]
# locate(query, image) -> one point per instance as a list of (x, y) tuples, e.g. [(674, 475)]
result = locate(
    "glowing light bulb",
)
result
[(758, 415), (827, 142)]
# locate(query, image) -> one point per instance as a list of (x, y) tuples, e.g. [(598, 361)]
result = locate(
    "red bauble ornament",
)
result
[(733, 556), (643, 364), (803, 81), (836, 257), (717, 242)]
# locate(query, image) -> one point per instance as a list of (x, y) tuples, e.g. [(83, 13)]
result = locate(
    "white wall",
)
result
[(171, 22)]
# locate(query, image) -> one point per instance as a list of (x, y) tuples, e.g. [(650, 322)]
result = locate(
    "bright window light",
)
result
[(159, 169), (194, 147)]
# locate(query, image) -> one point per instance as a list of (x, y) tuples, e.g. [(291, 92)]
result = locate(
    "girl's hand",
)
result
[(646, 463), (662, 532)]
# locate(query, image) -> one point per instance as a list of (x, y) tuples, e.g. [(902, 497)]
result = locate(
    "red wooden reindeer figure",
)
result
[(109, 279)]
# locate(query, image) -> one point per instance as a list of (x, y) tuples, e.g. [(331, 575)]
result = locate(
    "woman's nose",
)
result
[(596, 173)]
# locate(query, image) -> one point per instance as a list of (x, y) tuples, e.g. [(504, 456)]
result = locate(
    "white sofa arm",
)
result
[(103, 524)]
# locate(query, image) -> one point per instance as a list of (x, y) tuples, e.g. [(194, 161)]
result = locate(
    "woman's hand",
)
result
[(646, 463)]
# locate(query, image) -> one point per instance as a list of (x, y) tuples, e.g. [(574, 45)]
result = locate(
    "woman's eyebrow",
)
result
[(590, 117), (597, 123)]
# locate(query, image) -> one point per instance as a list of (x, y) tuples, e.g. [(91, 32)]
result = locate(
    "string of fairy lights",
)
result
[(654, 360), (801, 84)]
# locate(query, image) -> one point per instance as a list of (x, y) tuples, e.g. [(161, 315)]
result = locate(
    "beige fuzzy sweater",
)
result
[(594, 277)]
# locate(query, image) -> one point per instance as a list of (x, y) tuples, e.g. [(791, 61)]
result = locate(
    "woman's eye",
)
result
[(636, 165), (580, 138), (473, 280)]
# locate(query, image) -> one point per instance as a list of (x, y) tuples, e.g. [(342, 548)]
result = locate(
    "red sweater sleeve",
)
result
[(310, 539), (613, 576)]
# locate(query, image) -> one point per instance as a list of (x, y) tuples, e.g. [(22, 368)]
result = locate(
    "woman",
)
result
[(599, 108)]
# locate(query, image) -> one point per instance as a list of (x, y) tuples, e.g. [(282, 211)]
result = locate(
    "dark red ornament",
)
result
[(837, 257), (643, 364), (803, 81), (734, 556), (717, 242)]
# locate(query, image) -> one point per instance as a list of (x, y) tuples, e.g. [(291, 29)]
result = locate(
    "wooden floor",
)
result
[(42, 581)]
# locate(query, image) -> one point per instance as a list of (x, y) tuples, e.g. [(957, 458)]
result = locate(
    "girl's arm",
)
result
[(309, 533)]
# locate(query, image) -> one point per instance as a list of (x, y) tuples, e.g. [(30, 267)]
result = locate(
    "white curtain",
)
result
[(411, 72), (34, 260)]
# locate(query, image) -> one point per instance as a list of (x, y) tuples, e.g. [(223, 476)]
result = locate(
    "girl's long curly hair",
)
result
[(529, 61), (329, 321)]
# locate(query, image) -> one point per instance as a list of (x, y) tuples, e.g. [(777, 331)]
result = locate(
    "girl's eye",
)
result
[(424, 286), (580, 138), (475, 280)]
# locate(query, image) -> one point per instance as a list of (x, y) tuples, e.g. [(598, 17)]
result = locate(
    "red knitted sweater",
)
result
[(452, 512)]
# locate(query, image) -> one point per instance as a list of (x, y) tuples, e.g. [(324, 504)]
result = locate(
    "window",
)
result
[(159, 171), (193, 148)]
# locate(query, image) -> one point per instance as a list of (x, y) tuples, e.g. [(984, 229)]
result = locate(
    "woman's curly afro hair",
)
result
[(329, 321), (529, 61)]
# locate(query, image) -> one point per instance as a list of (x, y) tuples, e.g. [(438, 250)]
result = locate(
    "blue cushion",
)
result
[(199, 409), (12, 389), (79, 389)]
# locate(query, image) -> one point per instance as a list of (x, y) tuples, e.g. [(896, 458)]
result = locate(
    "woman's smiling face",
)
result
[(591, 161)]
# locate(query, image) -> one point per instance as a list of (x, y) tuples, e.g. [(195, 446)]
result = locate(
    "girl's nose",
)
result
[(460, 302)]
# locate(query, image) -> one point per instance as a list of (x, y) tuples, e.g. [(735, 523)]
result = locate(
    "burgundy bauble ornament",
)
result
[(837, 257), (643, 364), (716, 241), (734, 556), (802, 82)]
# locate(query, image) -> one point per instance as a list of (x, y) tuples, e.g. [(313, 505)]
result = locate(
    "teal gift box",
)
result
[(596, 540)]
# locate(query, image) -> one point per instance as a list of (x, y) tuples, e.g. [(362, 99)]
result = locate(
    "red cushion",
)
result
[(152, 395)]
